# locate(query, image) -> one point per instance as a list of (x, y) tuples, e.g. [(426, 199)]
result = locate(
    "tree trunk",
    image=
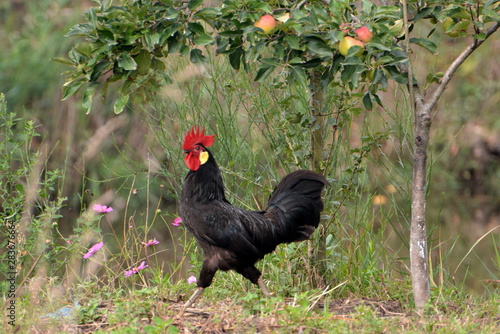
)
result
[(418, 233), (317, 123), (317, 249)]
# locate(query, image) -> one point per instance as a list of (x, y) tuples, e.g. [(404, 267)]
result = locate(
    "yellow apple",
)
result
[(369, 75), (266, 23), (346, 43)]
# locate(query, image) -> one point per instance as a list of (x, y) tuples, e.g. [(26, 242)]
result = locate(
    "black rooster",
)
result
[(233, 238)]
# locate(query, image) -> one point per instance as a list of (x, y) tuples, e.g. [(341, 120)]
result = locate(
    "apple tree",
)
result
[(353, 47)]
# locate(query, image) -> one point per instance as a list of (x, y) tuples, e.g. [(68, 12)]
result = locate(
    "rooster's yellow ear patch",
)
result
[(203, 157)]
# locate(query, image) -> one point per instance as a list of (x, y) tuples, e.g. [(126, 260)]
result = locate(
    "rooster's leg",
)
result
[(263, 287), (206, 276), (254, 275), (197, 293)]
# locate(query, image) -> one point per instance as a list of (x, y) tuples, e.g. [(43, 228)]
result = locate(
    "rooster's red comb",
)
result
[(197, 136)]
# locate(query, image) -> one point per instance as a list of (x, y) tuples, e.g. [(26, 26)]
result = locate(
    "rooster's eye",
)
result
[(197, 148)]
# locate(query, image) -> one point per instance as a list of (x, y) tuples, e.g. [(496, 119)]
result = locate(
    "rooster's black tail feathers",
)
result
[(295, 205)]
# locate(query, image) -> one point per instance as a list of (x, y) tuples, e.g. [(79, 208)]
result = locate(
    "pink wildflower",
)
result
[(177, 221), (93, 249), (151, 242), (102, 208), (69, 241), (135, 270), (191, 279)]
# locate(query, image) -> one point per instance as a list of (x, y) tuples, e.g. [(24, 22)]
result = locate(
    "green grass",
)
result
[(147, 311)]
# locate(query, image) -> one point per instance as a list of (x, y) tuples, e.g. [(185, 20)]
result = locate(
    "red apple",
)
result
[(266, 23), (346, 43), (364, 34)]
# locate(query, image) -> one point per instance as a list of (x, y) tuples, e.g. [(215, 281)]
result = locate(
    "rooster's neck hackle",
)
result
[(205, 184)]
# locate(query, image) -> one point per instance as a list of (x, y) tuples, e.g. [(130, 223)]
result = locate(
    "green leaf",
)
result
[(489, 2), (350, 73), (378, 46), (174, 44), (425, 43), (143, 60), (88, 97), (172, 13), (260, 5), (379, 77), (221, 45), (235, 58), (62, 60), (383, 60), (106, 37), (196, 28), (264, 72), (367, 101), (169, 31), (329, 74), (83, 29), (311, 63), (98, 69), (70, 88), (84, 48), (377, 99), (152, 40), (184, 50), (293, 41), (319, 47), (298, 75), (91, 16), (120, 103), (424, 12), (158, 65), (433, 78), (125, 88), (202, 39), (196, 56), (193, 4), (480, 36), (126, 62), (254, 53), (270, 61), (208, 13)]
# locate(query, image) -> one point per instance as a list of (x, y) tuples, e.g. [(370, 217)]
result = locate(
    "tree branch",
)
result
[(409, 69), (456, 64)]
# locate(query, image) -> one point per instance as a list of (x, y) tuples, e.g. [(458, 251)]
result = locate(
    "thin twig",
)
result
[(408, 51)]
